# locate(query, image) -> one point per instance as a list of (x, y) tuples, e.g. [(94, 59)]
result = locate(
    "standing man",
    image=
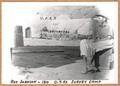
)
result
[(95, 32), (102, 38)]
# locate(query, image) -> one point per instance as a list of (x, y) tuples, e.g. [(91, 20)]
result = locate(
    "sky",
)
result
[(25, 13)]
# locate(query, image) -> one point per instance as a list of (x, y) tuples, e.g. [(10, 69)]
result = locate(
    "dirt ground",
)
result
[(53, 66)]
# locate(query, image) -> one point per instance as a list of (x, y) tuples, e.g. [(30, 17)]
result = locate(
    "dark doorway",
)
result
[(28, 32)]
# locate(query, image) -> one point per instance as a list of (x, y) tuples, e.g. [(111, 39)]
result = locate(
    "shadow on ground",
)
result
[(34, 60)]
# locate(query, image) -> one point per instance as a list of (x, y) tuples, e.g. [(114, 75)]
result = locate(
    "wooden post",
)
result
[(18, 41), (11, 52)]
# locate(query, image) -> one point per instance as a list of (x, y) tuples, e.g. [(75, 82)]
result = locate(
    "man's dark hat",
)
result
[(100, 16)]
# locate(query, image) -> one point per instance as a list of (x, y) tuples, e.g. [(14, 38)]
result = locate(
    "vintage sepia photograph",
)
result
[(60, 43)]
